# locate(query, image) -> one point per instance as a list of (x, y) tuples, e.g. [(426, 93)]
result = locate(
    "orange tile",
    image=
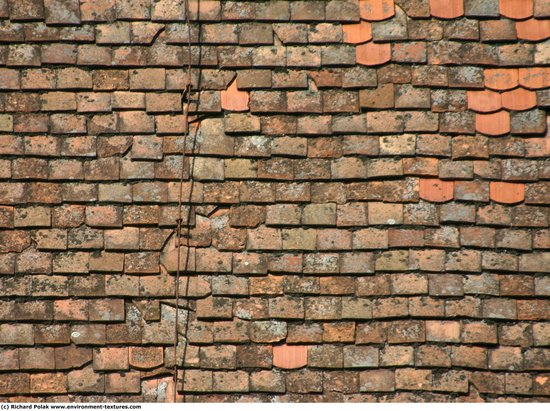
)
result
[(494, 124), (532, 29), (501, 79), (507, 193), (484, 101), (373, 54), (357, 33), (446, 9), (375, 10), (435, 190), (516, 9), (290, 356), (233, 99), (519, 99), (534, 77)]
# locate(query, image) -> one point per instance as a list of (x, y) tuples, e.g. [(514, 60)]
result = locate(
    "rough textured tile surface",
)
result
[(364, 190)]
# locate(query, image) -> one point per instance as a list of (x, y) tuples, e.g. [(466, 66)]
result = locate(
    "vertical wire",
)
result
[(186, 101)]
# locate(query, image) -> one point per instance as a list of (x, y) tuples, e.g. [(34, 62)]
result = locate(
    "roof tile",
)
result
[(447, 9), (485, 101), (494, 124), (516, 9), (373, 54), (435, 190), (233, 99), (534, 77), (519, 99), (542, 8), (357, 33), (529, 122), (375, 10), (507, 193), (290, 356), (533, 29), (501, 79), (497, 30), (342, 10), (307, 10)]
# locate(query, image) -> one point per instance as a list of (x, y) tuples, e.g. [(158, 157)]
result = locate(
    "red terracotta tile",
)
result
[(233, 99), (446, 9), (516, 9), (290, 356), (507, 193), (376, 10), (494, 124), (485, 101), (534, 77), (519, 99), (357, 33), (533, 29), (372, 54), (435, 190), (501, 79)]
